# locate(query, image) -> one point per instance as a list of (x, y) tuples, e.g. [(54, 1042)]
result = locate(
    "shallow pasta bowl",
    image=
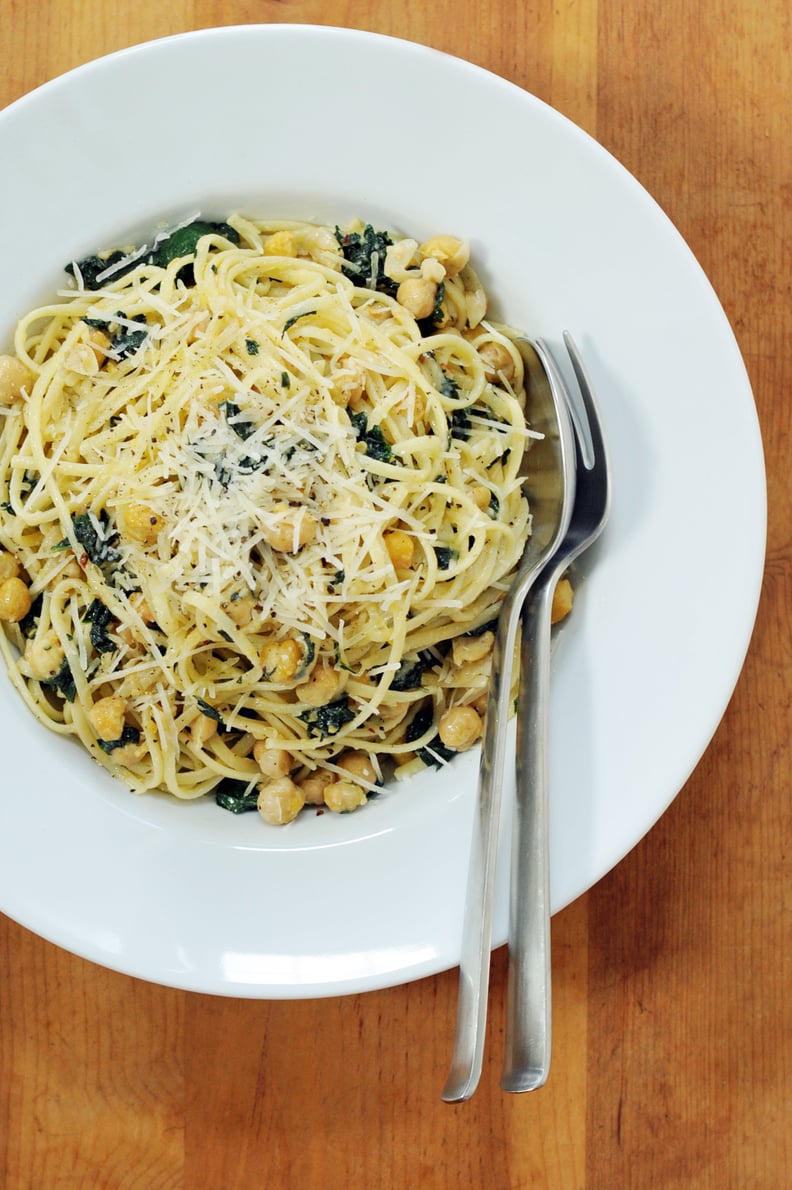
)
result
[(187, 896)]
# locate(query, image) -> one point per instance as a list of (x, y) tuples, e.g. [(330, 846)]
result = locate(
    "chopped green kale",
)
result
[(27, 626), (130, 735), (447, 385), (184, 241), (327, 720), (252, 346), (445, 556), (97, 542), (460, 424), (241, 426), (171, 246), (208, 710), (375, 442), (364, 258), (409, 674), (99, 616), (236, 796), (90, 268), (63, 682), (124, 339), (434, 752), (296, 318)]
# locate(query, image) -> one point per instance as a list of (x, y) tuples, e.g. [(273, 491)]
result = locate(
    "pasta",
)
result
[(262, 497)]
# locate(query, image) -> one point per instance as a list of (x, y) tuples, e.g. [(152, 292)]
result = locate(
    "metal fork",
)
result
[(528, 1012)]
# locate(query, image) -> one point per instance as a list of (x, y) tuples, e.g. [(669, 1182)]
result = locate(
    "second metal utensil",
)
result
[(550, 492), (528, 1012)]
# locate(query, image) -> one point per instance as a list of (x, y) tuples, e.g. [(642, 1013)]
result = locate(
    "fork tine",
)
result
[(584, 411)]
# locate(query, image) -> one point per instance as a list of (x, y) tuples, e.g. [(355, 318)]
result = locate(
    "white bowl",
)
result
[(301, 122)]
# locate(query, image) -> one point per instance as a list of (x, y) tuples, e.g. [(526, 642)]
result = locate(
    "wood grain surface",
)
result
[(672, 1064)]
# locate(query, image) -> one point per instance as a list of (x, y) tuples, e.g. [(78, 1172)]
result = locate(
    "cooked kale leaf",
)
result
[(375, 442), (435, 751), (329, 719), (236, 796), (445, 556), (180, 242), (409, 674), (296, 318), (364, 258), (63, 682), (124, 340), (184, 241), (99, 616), (241, 427), (27, 626), (130, 735), (90, 268), (98, 545), (460, 424), (210, 711)]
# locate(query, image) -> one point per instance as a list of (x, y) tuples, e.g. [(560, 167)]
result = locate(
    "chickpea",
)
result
[(344, 796), (202, 728), (292, 529), (321, 687), (498, 361), (280, 660), (349, 384), (273, 762), (280, 801), (82, 360), (452, 253), (142, 524), (417, 295), (459, 728), (563, 597), (358, 765), (14, 376), (44, 656), (15, 600), (281, 243), (471, 648), (106, 717), (400, 547), (313, 787), (99, 342), (9, 566)]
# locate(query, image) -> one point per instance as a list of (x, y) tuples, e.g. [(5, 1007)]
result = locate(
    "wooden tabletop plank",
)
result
[(672, 1017)]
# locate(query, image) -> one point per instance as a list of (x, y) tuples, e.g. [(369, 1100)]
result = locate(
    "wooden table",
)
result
[(673, 1008)]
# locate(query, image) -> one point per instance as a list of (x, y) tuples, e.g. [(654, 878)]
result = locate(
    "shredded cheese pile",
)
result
[(265, 494)]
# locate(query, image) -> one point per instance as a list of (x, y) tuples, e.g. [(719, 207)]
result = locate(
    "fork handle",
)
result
[(528, 1008)]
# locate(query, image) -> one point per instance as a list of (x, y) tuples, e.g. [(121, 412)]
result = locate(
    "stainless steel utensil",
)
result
[(550, 490), (528, 1013)]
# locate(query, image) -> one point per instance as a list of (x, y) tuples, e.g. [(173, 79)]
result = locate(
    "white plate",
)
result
[(301, 121)]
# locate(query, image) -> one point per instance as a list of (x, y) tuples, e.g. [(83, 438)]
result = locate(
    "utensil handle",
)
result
[(528, 1008), (474, 963)]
